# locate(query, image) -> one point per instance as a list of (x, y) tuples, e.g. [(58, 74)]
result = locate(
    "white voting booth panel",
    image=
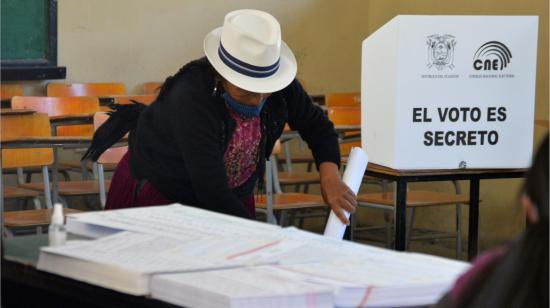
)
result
[(445, 92)]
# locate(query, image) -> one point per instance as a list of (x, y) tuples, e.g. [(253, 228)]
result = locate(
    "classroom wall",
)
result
[(134, 41)]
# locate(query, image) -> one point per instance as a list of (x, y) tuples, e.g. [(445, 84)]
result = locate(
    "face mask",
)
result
[(242, 109)]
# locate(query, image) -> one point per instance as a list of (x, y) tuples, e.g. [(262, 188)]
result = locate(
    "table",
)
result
[(55, 142), (70, 119), (9, 111), (402, 177), (22, 283)]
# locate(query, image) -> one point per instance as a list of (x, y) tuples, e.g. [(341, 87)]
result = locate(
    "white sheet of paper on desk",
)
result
[(150, 253), (394, 279), (144, 253), (317, 248), (353, 176), (261, 286), (174, 220)]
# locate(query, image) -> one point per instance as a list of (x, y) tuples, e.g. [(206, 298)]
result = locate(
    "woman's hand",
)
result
[(335, 192)]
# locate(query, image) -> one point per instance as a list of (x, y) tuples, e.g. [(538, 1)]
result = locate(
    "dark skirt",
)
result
[(122, 192)]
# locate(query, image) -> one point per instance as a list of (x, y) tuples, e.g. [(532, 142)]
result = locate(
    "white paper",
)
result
[(263, 286), (353, 176), (144, 253), (393, 280), (207, 241), (174, 220)]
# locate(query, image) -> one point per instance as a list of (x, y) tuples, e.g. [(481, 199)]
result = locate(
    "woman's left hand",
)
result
[(335, 192)]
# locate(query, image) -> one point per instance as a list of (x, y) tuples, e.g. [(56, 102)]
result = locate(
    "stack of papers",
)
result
[(196, 258), (260, 286)]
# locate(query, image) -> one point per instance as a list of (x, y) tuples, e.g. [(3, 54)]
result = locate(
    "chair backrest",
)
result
[(152, 87), (112, 155), (7, 91), (343, 99), (58, 106), (27, 125), (346, 116), (97, 89)]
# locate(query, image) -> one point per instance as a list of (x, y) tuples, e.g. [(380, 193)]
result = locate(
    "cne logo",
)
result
[(492, 56)]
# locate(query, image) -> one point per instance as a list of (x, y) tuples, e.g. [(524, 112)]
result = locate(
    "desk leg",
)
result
[(400, 214), (55, 175), (473, 219)]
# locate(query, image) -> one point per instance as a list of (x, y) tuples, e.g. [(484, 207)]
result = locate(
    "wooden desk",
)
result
[(55, 142), (9, 111), (402, 177), (70, 119), (24, 285)]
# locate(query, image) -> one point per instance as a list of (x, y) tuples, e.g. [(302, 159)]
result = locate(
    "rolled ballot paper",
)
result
[(353, 176)]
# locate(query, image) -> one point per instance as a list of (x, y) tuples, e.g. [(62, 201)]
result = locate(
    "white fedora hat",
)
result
[(248, 52)]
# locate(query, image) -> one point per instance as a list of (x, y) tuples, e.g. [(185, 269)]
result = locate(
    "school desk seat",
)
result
[(288, 159), (27, 172), (98, 186), (417, 199), (58, 107), (289, 205), (13, 192), (30, 219), (26, 125)]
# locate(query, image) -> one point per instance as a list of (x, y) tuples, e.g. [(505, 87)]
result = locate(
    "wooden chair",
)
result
[(97, 89), (289, 205), (344, 99), (110, 158), (346, 115), (91, 89), (98, 186), (417, 199), (351, 115), (7, 91), (59, 107), (152, 87), (39, 219), (291, 176), (17, 126)]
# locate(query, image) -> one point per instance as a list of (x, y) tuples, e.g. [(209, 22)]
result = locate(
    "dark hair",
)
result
[(520, 277)]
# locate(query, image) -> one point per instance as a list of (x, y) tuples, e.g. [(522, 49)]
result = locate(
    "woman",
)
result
[(516, 276), (204, 141)]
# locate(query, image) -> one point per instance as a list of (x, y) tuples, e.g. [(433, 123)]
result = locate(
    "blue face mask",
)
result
[(242, 109)]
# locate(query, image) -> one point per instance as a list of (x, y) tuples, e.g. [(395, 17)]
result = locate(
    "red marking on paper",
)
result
[(252, 250), (365, 297)]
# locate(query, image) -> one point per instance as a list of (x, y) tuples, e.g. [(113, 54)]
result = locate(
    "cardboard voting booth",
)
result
[(445, 92)]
